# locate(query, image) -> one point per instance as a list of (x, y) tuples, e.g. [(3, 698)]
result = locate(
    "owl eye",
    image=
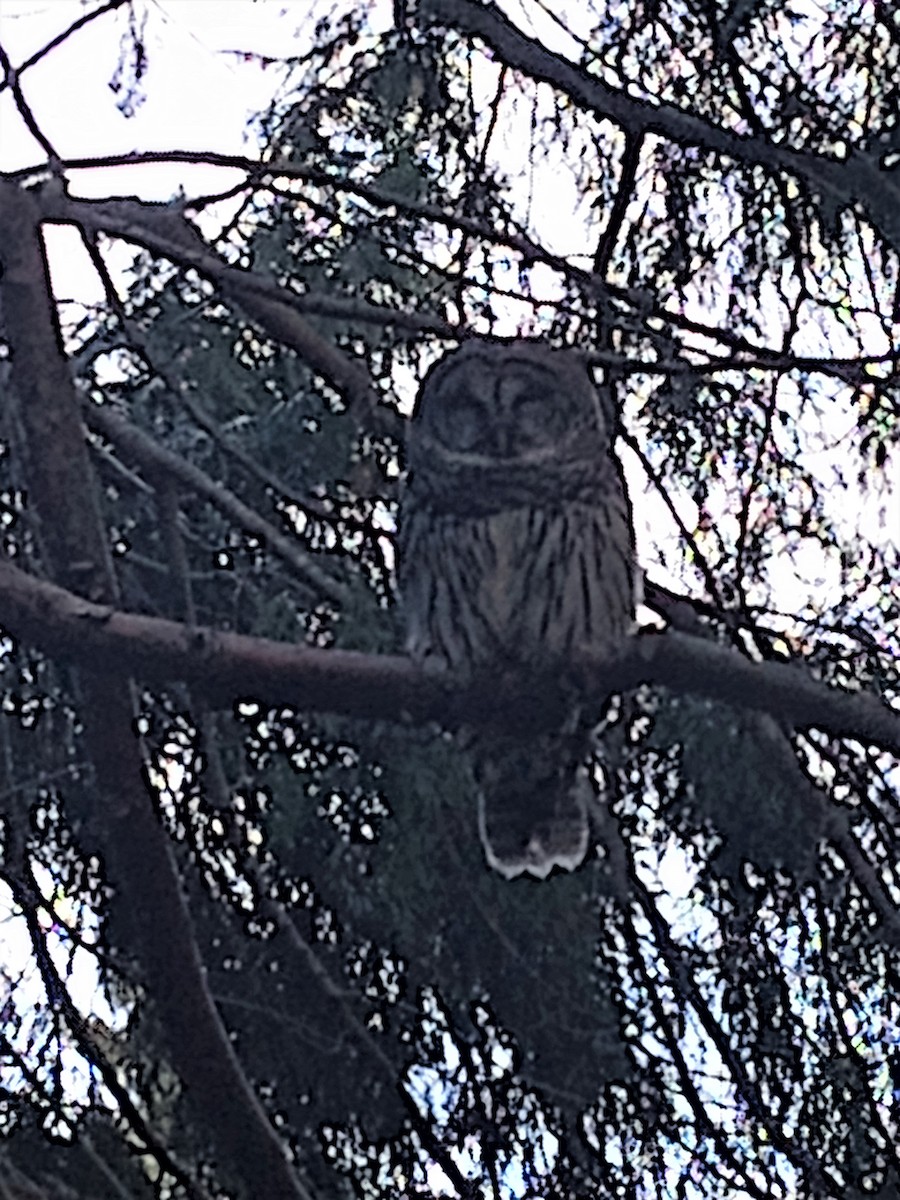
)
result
[(466, 422), (536, 414)]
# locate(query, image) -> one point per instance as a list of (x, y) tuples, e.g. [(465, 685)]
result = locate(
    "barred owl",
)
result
[(516, 552)]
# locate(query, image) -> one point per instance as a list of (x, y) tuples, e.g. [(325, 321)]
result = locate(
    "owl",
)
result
[(516, 555)]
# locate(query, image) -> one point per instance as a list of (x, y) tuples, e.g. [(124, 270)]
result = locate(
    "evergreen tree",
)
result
[(253, 948)]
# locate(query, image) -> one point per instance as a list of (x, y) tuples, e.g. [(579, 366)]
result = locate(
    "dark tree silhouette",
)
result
[(251, 944)]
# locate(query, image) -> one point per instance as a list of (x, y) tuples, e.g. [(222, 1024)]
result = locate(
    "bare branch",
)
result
[(162, 229), (222, 666)]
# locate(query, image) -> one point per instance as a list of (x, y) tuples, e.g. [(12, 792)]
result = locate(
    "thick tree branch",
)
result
[(223, 666), (787, 691)]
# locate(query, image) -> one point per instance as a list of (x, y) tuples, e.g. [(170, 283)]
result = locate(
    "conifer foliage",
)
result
[(251, 947)]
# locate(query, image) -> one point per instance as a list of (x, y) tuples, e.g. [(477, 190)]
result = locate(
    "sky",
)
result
[(206, 77), (193, 85)]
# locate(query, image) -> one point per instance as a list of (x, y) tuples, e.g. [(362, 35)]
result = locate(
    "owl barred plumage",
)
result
[(517, 555)]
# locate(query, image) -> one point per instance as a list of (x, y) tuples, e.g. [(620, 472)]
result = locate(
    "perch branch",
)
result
[(221, 666)]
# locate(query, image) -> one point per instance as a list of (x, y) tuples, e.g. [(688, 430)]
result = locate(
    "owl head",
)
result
[(506, 402), (521, 415)]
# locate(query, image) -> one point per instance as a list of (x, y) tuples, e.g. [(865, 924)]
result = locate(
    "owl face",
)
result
[(503, 404)]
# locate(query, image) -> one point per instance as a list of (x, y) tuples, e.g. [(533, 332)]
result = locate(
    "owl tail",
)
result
[(532, 806)]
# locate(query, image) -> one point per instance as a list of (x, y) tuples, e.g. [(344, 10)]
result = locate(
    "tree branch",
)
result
[(166, 232), (223, 666), (162, 230), (155, 460), (859, 178)]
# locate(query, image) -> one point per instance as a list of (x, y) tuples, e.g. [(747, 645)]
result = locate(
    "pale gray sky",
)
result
[(199, 94)]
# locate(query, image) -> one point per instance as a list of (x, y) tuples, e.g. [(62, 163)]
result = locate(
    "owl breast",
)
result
[(524, 586)]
